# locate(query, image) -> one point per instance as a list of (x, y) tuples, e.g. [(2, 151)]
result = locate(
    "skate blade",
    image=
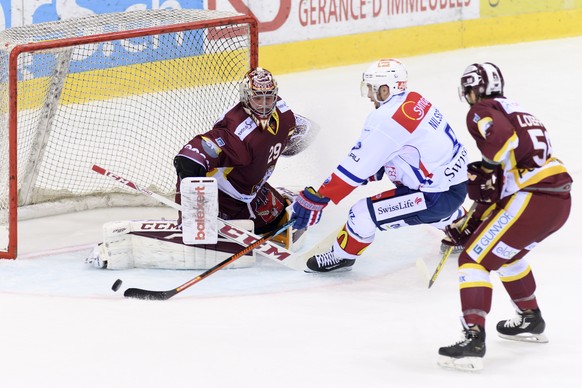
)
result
[(466, 364), (526, 337), (342, 269)]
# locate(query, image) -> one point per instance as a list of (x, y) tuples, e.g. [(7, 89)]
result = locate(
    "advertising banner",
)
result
[(281, 21), (493, 8), (284, 21), (23, 12)]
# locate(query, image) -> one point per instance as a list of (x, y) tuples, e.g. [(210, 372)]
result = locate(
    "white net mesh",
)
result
[(126, 104)]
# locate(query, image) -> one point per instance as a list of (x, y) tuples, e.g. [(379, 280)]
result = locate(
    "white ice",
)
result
[(378, 326)]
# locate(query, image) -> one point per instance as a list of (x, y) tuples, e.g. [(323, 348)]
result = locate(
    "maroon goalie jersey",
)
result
[(238, 153), (509, 135)]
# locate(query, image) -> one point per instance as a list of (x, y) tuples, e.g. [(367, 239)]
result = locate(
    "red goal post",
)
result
[(122, 90)]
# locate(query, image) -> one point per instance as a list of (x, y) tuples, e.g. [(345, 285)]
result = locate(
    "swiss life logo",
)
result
[(412, 111)]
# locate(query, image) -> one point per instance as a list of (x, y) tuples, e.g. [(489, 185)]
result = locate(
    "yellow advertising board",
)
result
[(494, 8), (497, 22)]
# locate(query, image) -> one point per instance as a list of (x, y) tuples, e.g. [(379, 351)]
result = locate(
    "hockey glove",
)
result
[(484, 187), (307, 208), (458, 233)]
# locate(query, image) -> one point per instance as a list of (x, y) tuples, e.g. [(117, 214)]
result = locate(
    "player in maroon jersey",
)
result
[(523, 195), (242, 149)]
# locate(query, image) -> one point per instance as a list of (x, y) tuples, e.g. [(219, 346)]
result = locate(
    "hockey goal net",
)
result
[(125, 91)]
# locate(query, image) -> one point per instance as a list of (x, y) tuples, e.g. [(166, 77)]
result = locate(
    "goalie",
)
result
[(239, 153)]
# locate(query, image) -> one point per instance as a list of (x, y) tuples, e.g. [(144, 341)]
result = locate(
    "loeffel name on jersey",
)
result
[(527, 121)]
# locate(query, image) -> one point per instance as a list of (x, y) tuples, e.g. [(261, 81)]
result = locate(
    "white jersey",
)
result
[(410, 138)]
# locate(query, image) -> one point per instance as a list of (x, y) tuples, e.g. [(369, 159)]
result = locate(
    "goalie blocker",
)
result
[(199, 210), (164, 244)]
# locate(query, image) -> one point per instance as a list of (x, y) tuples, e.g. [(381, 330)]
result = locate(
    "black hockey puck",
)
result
[(116, 285)]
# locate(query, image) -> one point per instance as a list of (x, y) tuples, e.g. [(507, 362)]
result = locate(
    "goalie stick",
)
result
[(449, 249), (230, 231), (139, 293)]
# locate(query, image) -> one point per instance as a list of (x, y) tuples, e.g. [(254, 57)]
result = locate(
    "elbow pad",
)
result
[(186, 168)]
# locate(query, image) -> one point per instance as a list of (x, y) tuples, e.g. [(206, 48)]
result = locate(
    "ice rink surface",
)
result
[(62, 326)]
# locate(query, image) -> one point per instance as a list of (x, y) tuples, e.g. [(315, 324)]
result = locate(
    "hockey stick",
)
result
[(139, 293), (127, 182), (449, 249), (225, 229)]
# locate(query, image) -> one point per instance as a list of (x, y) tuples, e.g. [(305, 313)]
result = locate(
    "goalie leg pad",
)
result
[(158, 244)]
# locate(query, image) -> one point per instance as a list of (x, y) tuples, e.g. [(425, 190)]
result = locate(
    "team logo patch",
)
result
[(390, 208), (245, 128), (210, 148), (504, 251), (489, 237), (484, 125), (412, 111)]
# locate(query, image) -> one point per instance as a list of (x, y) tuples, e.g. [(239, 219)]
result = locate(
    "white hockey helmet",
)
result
[(258, 94), (390, 72), (485, 79)]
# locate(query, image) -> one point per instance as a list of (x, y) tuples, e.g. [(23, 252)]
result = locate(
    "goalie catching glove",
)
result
[(307, 208), (484, 186), (459, 232)]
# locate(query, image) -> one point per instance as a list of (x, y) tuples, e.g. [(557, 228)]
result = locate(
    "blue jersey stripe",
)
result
[(350, 175)]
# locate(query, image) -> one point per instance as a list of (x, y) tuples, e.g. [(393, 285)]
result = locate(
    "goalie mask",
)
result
[(390, 72), (258, 94), (485, 79)]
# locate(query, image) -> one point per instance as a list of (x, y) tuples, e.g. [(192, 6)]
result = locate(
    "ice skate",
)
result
[(526, 326), (327, 262), (466, 354)]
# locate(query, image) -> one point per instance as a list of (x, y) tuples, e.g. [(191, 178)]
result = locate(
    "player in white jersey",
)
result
[(406, 138)]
